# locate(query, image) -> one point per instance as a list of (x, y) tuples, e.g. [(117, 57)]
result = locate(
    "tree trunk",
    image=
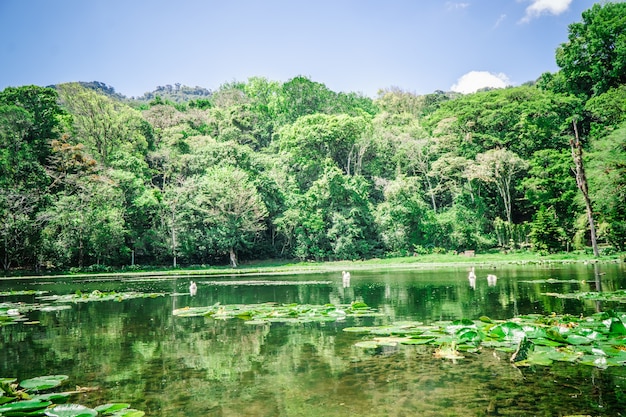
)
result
[(233, 258), (581, 181)]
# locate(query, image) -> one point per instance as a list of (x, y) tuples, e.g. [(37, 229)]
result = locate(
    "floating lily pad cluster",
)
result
[(285, 313), (96, 295), (618, 296), (598, 340), (28, 398), (21, 292), (14, 312)]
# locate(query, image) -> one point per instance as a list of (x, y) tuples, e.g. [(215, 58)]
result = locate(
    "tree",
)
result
[(312, 140), (593, 60), (499, 167), (401, 217), (522, 119), (107, 128), (581, 181), (85, 224), (225, 206), (551, 183), (607, 168), (545, 233)]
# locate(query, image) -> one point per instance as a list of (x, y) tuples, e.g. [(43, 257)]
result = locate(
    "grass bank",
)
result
[(293, 267)]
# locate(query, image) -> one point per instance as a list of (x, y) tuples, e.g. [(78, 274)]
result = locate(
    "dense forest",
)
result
[(263, 169)]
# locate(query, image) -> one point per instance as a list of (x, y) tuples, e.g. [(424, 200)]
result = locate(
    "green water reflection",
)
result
[(136, 351)]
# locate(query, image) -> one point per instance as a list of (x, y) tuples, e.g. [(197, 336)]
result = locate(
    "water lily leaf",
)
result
[(576, 339), (553, 333), (23, 406), (111, 408), (469, 335), (357, 329), (71, 410), (129, 413), (541, 358), (564, 355), (4, 399), (414, 341), (366, 344), (546, 342), (55, 397), (41, 383), (617, 327), (508, 331)]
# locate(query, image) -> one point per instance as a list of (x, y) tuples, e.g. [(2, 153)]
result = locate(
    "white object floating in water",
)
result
[(345, 275), (491, 280), (193, 288), (472, 278)]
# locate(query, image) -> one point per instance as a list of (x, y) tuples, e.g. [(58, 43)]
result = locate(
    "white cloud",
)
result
[(541, 7), (456, 6), (500, 20), (475, 80)]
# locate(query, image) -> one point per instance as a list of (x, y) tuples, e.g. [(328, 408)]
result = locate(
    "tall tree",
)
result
[(500, 167), (607, 168), (593, 60), (227, 205), (581, 181), (108, 128)]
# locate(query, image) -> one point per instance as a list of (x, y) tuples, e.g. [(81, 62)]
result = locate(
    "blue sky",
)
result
[(349, 45)]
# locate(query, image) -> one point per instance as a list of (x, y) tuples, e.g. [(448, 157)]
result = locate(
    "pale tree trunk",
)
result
[(174, 236), (233, 258), (581, 181)]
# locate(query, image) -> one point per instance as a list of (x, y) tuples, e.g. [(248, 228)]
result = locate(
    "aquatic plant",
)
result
[(28, 398), (598, 340), (285, 313)]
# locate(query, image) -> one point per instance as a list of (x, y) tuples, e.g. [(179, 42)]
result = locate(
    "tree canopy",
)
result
[(262, 169)]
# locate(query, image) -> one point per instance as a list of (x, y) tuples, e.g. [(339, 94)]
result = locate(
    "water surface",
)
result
[(137, 351)]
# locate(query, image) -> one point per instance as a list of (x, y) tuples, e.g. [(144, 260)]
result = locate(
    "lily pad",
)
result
[(274, 313), (41, 383), (71, 410), (111, 408), (129, 413), (23, 406)]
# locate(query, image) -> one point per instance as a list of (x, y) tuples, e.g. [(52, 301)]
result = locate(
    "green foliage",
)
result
[(522, 119), (545, 234), (607, 176), (262, 168), (593, 60)]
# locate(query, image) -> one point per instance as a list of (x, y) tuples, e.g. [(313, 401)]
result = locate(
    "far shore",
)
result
[(278, 267)]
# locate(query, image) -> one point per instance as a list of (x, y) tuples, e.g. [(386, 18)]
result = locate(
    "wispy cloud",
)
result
[(541, 7), (499, 21), (451, 5)]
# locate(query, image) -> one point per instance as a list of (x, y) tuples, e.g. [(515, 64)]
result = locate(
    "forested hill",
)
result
[(264, 169)]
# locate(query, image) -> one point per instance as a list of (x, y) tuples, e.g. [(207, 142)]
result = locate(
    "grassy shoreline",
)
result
[(275, 267)]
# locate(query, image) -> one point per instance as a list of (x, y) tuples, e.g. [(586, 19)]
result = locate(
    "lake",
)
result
[(138, 351)]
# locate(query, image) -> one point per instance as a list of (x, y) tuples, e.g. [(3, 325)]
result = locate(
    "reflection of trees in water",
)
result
[(137, 352)]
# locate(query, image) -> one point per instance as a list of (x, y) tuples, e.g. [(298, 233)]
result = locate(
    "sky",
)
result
[(361, 46)]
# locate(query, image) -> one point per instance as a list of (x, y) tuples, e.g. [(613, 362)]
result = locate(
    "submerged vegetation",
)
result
[(261, 169), (32, 397)]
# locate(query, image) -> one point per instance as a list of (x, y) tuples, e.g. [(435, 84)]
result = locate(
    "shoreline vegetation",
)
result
[(262, 169), (279, 267)]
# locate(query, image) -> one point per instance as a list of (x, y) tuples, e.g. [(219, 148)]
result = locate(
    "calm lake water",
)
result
[(137, 351)]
